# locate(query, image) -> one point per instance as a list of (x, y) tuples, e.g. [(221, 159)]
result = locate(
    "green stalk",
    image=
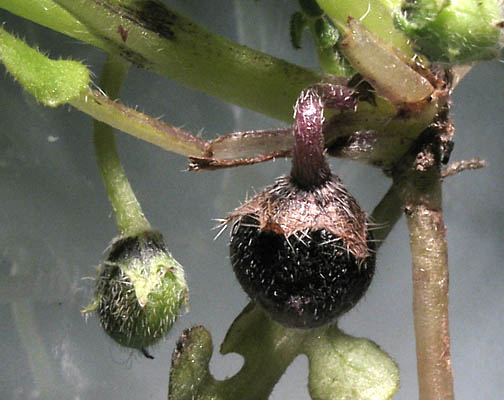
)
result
[(56, 82), (154, 37), (47, 13), (373, 14), (385, 215), (137, 124), (129, 215)]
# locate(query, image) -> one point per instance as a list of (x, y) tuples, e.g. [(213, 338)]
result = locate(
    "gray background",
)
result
[(55, 223)]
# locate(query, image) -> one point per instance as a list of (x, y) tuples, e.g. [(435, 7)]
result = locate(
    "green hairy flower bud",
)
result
[(139, 291), (455, 32), (325, 34)]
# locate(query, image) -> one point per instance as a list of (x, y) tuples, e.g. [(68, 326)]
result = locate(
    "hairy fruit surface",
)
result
[(139, 291), (301, 248), (302, 282)]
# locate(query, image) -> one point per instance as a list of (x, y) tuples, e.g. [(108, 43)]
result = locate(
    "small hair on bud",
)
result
[(139, 291)]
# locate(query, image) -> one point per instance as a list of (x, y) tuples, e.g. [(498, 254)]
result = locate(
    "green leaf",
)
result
[(345, 367), (189, 373), (341, 366), (52, 82)]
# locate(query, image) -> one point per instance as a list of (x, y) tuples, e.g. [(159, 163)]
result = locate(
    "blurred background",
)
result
[(55, 223)]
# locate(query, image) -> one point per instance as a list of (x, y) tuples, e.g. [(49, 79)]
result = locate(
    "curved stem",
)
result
[(129, 215), (309, 163)]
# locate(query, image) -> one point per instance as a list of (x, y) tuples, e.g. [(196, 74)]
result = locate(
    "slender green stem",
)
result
[(385, 215), (140, 125), (129, 215)]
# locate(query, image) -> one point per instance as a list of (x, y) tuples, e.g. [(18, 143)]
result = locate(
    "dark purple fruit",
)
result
[(305, 256), (301, 282), (301, 248)]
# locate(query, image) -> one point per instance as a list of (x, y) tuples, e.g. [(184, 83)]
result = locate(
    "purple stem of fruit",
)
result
[(309, 164), (338, 97)]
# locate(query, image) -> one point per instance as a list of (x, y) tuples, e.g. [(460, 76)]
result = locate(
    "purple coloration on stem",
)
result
[(337, 96), (301, 247), (309, 165)]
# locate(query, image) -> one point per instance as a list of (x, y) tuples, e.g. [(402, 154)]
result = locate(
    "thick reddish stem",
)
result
[(309, 165)]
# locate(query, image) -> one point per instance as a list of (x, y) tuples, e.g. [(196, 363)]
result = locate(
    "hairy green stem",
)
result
[(140, 125), (421, 198), (238, 74), (154, 37), (129, 215)]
